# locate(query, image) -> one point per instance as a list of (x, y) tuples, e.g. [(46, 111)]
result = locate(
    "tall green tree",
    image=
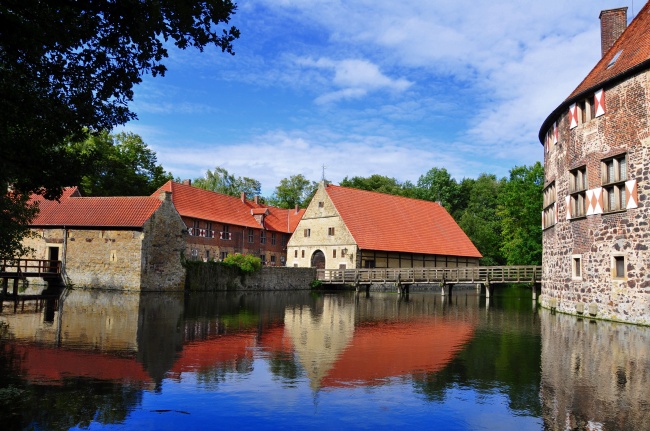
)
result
[(68, 67), (121, 165), (379, 183), (221, 181), (481, 221), (437, 185), (292, 191), (520, 206)]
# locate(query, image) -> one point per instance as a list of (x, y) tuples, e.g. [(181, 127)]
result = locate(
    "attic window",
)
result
[(613, 60)]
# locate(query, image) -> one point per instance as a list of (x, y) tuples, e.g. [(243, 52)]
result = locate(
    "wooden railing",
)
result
[(479, 274), (20, 268)]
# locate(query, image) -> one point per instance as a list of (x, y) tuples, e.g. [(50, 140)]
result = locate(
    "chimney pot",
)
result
[(612, 25), (243, 197), (256, 200)]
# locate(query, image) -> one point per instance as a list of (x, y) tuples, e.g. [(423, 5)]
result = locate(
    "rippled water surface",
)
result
[(304, 360)]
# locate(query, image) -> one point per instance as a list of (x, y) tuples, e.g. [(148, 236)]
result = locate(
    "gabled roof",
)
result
[(384, 222), (633, 50), (75, 211), (216, 207)]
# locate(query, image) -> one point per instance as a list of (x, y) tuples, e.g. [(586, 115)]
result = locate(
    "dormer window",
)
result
[(613, 60)]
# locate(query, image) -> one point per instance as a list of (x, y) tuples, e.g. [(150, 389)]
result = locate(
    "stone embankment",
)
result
[(211, 277)]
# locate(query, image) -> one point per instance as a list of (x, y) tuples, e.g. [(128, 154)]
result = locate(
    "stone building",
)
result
[(219, 225), (597, 166), (349, 228), (125, 243)]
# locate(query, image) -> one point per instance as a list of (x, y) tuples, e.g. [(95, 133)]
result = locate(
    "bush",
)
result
[(247, 263)]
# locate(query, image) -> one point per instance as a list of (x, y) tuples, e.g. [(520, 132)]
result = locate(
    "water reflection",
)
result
[(595, 375), (255, 360)]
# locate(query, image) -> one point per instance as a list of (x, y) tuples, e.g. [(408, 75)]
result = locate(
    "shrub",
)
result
[(247, 263)]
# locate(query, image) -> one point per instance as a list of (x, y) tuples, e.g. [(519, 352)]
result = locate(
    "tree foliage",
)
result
[(520, 206), (69, 67), (379, 183), (121, 165), (221, 181), (247, 263), (292, 191), (15, 216), (437, 185)]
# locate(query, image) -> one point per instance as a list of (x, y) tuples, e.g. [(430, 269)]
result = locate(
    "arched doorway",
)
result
[(318, 260)]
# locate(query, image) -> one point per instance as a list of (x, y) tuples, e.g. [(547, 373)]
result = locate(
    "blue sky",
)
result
[(371, 87)]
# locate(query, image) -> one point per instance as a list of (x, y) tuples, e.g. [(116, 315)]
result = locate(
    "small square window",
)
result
[(330, 231), (618, 266), (307, 233), (321, 204)]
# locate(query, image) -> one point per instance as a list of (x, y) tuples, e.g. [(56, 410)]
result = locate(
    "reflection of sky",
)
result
[(258, 401)]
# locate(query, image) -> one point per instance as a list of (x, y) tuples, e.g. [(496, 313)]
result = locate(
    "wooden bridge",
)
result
[(403, 278), (21, 269)]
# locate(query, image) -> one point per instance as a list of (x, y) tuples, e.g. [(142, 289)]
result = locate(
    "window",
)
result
[(307, 233), (207, 255), (195, 254), (223, 255), (582, 111), (618, 267), (225, 233), (330, 231), (285, 239), (343, 252), (251, 236), (614, 175), (272, 238), (577, 191), (334, 253), (576, 267), (321, 204), (273, 260), (263, 237), (295, 253), (303, 253), (549, 206)]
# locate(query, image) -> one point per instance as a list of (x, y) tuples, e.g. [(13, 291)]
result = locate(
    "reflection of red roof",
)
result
[(216, 207), (384, 350), (74, 210), (49, 365), (378, 221), (228, 349)]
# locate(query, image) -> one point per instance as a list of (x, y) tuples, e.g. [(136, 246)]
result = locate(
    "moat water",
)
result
[(317, 361)]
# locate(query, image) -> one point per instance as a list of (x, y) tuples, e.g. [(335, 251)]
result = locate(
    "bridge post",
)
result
[(489, 289), (445, 288), (478, 288), (15, 287), (5, 285)]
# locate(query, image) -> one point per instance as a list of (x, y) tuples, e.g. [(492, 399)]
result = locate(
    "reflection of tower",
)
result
[(320, 339)]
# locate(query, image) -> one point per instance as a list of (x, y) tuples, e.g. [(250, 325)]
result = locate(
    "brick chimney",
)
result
[(243, 197), (187, 182), (612, 25), (256, 200), (165, 196)]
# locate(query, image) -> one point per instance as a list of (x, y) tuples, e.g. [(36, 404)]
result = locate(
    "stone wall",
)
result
[(596, 239), (211, 276), (163, 243)]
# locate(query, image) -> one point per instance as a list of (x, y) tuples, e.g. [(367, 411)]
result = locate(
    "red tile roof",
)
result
[(75, 211), (634, 47), (384, 222), (216, 207)]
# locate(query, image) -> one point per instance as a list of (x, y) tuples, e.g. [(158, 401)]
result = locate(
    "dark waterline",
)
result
[(305, 360)]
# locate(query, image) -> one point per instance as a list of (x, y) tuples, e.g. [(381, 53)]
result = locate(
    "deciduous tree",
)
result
[(121, 165), (221, 181), (70, 66), (292, 191), (520, 206)]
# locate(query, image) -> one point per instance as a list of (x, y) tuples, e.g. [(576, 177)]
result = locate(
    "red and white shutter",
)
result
[(631, 194), (599, 102), (597, 201), (568, 207), (543, 223), (573, 116)]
